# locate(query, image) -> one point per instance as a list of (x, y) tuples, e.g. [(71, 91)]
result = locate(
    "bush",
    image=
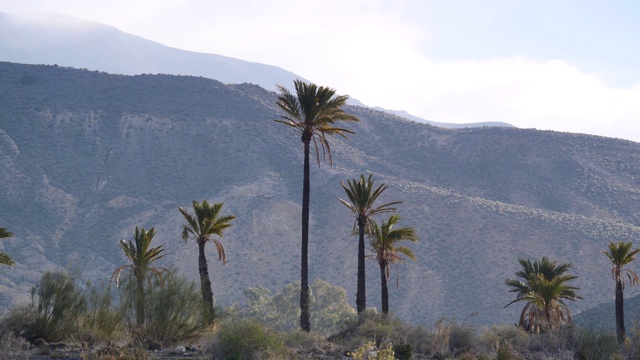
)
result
[(100, 322), (589, 345), (247, 340), (174, 312), (18, 322), (58, 305)]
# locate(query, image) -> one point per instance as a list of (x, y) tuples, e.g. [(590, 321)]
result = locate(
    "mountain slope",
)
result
[(86, 156)]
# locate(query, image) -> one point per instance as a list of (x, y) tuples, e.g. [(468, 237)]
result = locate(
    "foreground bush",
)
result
[(174, 312), (248, 340), (58, 305)]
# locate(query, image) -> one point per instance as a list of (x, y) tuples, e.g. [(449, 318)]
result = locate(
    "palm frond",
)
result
[(311, 113)]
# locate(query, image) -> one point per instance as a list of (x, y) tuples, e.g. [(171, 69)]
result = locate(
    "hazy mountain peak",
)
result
[(44, 38)]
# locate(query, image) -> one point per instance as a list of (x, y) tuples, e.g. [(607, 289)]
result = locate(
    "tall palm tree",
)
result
[(312, 112), (620, 255), (141, 256), (362, 195), (543, 286), (202, 226), (383, 240), (4, 258)]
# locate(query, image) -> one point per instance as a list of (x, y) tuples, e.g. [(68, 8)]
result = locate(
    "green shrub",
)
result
[(421, 339), (18, 322), (368, 351), (589, 345), (244, 340), (462, 339), (58, 305), (174, 312), (100, 322), (403, 351)]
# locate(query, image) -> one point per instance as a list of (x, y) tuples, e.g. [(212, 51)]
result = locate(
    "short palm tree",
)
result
[(362, 195), (312, 113), (383, 240), (620, 255), (202, 226), (542, 285), (4, 258), (141, 256)]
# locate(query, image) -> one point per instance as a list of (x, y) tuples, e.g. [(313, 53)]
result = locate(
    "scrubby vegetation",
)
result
[(67, 316)]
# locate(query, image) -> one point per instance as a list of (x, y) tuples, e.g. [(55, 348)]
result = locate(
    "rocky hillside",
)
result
[(87, 156)]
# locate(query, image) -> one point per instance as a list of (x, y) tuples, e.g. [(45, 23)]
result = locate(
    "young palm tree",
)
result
[(141, 257), (312, 112), (620, 255), (543, 286), (362, 195), (202, 226), (4, 258), (383, 240)]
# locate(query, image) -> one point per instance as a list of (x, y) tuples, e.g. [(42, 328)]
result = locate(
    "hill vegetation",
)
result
[(87, 156)]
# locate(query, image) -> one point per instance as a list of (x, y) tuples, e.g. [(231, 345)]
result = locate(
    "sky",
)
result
[(564, 65)]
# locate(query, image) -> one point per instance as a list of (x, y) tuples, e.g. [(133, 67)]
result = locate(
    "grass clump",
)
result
[(247, 339)]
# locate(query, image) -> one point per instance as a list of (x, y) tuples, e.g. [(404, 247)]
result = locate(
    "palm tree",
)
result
[(362, 195), (312, 113), (543, 286), (620, 255), (383, 240), (202, 225), (141, 257), (4, 258)]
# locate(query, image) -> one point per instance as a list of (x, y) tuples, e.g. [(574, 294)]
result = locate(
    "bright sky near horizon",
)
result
[(565, 65)]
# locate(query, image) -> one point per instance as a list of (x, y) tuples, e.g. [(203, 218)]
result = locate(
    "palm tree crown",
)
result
[(362, 195), (313, 112), (383, 240), (141, 256), (207, 222), (4, 258), (620, 255), (543, 286)]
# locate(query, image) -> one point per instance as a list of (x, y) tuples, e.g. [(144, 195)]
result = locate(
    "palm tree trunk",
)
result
[(139, 300), (205, 282), (361, 293), (305, 322), (384, 290), (620, 330)]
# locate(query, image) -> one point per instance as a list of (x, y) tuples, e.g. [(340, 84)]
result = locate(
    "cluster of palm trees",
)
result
[(543, 286), (312, 112), (204, 225)]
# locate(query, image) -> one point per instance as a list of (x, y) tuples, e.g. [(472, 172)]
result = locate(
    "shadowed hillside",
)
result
[(86, 156)]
